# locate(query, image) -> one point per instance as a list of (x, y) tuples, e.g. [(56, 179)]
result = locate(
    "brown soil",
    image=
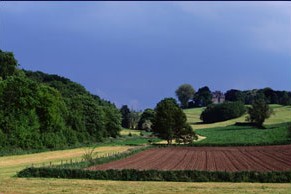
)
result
[(251, 158)]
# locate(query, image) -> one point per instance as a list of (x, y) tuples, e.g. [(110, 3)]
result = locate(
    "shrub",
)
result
[(222, 112), (156, 175), (259, 112), (88, 155), (289, 130)]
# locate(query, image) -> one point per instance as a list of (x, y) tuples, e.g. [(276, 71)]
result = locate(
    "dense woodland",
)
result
[(38, 110)]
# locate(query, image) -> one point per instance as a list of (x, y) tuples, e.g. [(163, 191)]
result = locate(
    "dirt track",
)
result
[(252, 158)]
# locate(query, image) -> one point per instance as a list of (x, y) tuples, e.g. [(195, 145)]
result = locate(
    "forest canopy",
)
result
[(39, 110)]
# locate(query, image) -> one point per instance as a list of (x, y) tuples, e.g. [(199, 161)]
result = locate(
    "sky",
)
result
[(137, 53)]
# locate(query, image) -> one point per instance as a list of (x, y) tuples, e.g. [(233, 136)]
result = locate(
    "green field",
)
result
[(226, 132), (221, 132), (10, 165)]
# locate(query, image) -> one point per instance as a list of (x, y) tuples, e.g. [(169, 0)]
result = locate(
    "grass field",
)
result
[(282, 115), (10, 184), (10, 165), (226, 133), (46, 186), (126, 132)]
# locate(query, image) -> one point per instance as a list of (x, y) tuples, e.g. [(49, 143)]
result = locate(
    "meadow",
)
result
[(227, 133), (10, 165)]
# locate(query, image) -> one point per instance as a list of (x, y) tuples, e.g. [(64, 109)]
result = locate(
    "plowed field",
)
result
[(251, 158)]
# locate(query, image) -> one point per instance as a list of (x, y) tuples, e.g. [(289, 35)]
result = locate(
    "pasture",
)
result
[(282, 114), (226, 133), (10, 165)]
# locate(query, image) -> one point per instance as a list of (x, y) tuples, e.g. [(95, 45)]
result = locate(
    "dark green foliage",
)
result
[(65, 86), (92, 116), (234, 95), (185, 135), (146, 120), (269, 95), (19, 120), (8, 65), (50, 109), (185, 92), (39, 111), (170, 121), (112, 121), (125, 122), (203, 97), (155, 175), (259, 112), (285, 99), (222, 112)]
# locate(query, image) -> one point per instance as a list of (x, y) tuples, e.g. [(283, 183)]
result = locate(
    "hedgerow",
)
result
[(156, 175)]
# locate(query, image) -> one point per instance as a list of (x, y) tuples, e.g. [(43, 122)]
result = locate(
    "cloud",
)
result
[(265, 25)]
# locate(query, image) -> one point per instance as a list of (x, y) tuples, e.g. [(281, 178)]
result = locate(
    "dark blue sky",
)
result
[(137, 53)]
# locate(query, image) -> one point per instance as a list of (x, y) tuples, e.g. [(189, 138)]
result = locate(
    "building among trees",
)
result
[(218, 97)]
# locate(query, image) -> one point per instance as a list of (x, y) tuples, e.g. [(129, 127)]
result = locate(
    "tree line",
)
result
[(233, 103), (38, 110), (169, 122), (189, 98)]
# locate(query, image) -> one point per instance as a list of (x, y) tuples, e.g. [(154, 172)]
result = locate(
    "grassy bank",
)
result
[(227, 133)]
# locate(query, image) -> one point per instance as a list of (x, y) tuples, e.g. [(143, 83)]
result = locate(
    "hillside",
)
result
[(40, 111), (226, 132)]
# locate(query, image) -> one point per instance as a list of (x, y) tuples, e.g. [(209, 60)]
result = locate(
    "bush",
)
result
[(289, 130), (222, 112), (259, 112), (156, 175)]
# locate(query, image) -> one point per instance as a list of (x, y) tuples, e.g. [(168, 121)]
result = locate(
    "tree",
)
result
[(133, 119), (93, 117), (185, 92), (270, 96), (258, 112), (146, 119), (125, 122), (112, 121), (203, 97), (285, 99), (186, 135), (250, 96), (8, 64), (39, 110), (234, 95), (170, 120)]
